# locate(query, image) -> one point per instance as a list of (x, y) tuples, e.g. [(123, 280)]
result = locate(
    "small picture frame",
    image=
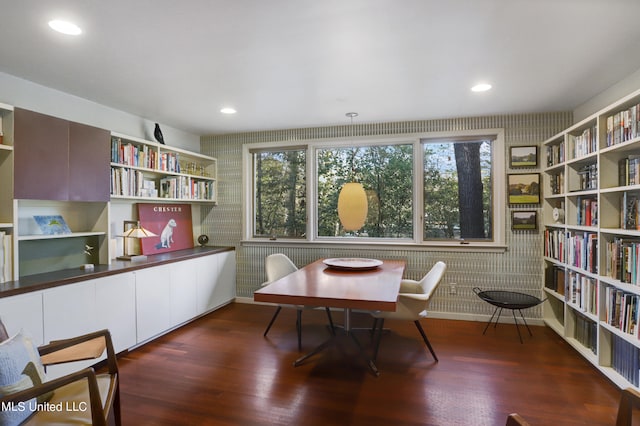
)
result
[(524, 220), (523, 188), (523, 156)]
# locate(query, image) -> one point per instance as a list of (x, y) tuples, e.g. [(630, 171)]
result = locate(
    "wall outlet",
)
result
[(453, 288)]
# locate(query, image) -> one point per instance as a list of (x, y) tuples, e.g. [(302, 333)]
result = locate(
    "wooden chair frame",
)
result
[(88, 346)]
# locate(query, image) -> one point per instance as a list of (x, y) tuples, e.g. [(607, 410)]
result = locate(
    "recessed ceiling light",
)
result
[(228, 110), (65, 27), (482, 87)]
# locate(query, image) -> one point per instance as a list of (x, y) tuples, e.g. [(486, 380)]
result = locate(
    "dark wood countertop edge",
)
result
[(48, 280)]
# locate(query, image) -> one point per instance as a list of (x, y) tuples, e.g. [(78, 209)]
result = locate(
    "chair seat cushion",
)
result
[(70, 403), (20, 368)]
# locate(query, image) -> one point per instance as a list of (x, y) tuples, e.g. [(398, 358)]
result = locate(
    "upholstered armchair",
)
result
[(413, 301)]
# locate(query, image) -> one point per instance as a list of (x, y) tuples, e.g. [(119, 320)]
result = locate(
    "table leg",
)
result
[(517, 326), (490, 320), (348, 331)]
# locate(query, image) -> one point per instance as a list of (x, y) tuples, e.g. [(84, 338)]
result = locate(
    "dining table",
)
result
[(343, 283)]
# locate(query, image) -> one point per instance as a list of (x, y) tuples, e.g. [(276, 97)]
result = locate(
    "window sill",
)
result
[(380, 245)]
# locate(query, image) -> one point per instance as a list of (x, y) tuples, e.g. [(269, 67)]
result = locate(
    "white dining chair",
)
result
[(413, 301), (277, 266)]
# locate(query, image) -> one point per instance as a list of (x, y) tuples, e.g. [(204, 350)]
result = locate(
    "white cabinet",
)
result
[(134, 306), (116, 308), (69, 311), (216, 280), (183, 291), (153, 301), (23, 312)]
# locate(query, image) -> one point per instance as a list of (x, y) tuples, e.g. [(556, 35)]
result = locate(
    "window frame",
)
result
[(416, 139)]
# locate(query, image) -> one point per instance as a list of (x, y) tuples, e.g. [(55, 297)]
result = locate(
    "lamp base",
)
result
[(133, 257)]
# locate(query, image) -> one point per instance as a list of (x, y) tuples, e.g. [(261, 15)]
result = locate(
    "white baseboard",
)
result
[(506, 317)]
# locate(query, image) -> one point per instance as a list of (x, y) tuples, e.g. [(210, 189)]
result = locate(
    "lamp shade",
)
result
[(352, 206)]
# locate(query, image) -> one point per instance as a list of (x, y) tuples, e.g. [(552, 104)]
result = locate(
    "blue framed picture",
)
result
[(52, 225)]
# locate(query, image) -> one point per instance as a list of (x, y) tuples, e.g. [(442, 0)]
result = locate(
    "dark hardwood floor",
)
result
[(220, 370)]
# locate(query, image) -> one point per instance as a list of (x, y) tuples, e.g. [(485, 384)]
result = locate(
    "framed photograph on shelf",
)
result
[(524, 220), (170, 222), (524, 188), (523, 156)]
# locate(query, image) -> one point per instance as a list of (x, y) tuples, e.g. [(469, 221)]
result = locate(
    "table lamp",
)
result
[(134, 231)]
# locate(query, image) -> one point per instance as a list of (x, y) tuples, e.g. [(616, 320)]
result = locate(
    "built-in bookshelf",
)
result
[(92, 206), (592, 238), (6, 193), (149, 171)]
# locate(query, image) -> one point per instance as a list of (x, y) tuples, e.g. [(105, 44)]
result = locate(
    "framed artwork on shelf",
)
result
[(523, 156), (170, 222), (524, 220), (52, 225), (523, 188)]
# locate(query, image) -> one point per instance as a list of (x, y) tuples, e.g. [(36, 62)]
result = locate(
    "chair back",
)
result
[(629, 402), (515, 419), (432, 279), (277, 266)]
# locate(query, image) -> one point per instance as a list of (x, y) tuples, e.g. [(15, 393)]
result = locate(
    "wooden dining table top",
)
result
[(316, 284)]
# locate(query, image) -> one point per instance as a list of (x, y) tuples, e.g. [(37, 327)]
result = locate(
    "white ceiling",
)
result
[(302, 63)]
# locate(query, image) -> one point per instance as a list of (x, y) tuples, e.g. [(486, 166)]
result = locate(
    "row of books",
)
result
[(170, 162), (585, 143), (555, 241), (6, 259), (629, 170), (621, 310), (582, 292), (623, 125), (588, 177), (587, 333), (555, 154), (582, 251), (554, 278), (131, 183), (629, 211), (622, 259), (556, 182), (587, 211), (183, 187), (625, 359), (133, 155)]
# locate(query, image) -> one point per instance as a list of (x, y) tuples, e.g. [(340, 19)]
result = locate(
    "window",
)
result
[(280, 193), (423, 190), (458, 193), (385, 171)]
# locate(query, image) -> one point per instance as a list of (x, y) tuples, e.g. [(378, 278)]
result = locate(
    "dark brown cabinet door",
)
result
[(41, 156), (56, 159), (89, 170)]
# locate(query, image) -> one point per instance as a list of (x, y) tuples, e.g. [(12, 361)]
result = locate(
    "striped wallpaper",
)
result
[(519, 268)]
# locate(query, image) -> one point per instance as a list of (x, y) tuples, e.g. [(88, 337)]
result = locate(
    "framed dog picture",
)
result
[(170, 222)]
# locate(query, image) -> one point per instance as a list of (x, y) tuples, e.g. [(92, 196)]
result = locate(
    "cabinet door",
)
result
[(23, 312), (116, 308), (153, 302), (41, 151), (183, 291), (69, 311), (89, 172), (216, 280)]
